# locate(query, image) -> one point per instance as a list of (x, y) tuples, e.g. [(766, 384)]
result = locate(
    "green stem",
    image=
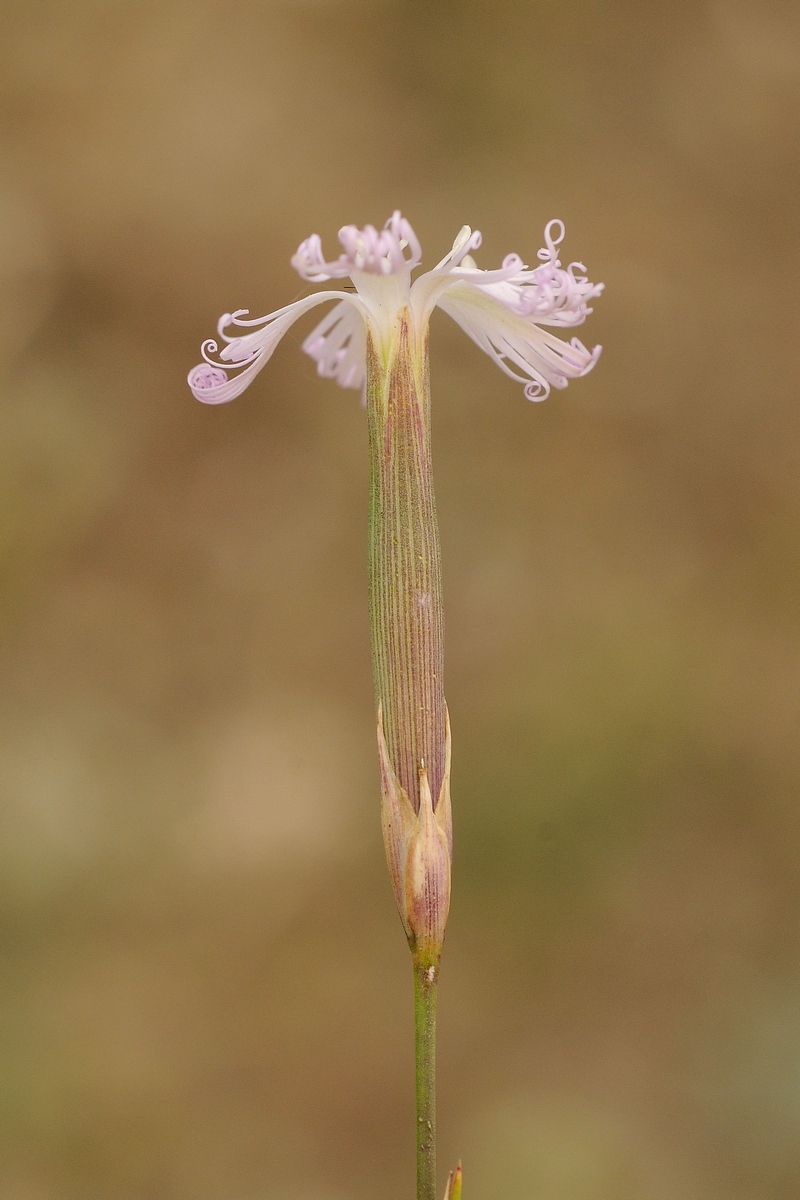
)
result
[(425, 980)]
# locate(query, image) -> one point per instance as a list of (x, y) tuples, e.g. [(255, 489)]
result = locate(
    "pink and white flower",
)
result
[(505, 311)]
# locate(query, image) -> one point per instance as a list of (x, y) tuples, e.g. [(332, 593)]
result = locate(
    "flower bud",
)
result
[(418, 852)]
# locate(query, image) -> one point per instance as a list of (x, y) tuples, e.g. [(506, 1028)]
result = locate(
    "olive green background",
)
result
[(205, 989)]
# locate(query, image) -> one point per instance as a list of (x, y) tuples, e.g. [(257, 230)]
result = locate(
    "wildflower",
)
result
[(376, 340), (503, 311)]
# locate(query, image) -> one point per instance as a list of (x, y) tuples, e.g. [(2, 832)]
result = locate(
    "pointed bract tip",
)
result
[(454, 1180), (418, 851)]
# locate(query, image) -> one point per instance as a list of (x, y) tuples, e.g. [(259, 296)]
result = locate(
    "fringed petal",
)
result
[(550, 294), (372, 251), (541, 359), (459, 266), (247, 353), (338, 346)]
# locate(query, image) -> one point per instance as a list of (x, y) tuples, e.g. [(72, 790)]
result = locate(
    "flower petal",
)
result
[(369, 250), (338, 345), (550, 293), (248, 353), (458, 265), (514, 340)]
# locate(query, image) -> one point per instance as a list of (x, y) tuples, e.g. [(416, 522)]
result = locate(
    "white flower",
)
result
[(503, 311)]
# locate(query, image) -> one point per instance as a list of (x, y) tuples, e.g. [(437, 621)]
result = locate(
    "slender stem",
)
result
[(425, 980)]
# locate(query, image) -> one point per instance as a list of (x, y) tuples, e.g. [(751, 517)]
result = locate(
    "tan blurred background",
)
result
[(205, 989)]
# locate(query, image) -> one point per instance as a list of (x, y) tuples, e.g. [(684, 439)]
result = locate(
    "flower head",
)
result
[(502, 310)]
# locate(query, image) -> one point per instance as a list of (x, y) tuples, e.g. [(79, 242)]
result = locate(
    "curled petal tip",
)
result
[(205, 381), (592, 360)]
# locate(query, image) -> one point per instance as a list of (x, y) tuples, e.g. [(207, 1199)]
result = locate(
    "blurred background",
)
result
[(205, 989)]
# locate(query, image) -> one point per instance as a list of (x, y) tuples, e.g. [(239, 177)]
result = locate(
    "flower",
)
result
[(375, 339), (504, 311)]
